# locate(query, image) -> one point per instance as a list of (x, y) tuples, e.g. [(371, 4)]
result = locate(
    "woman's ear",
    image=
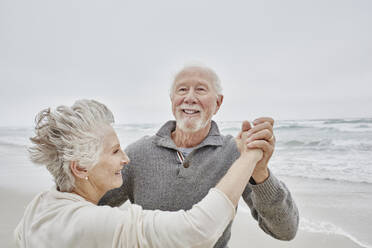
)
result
[(78, 171)]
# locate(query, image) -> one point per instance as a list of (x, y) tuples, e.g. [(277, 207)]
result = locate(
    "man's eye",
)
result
[(116, 151), (182, 90), (200, 89)]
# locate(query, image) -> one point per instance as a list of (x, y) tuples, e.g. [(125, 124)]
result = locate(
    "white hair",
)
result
[(216, 82), (69, 134)]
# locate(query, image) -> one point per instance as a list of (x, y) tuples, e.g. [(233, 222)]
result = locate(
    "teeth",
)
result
[(188, 111)]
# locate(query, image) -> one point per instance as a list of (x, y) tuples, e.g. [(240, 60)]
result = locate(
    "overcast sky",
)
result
[(289, 59)]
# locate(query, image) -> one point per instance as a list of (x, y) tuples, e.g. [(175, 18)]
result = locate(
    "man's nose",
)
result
[(190, 97)]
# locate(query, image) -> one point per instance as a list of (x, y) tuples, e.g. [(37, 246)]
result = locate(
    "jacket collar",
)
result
[(164, 139)]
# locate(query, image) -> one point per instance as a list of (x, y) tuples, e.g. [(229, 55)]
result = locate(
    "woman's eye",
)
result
[(116, 151)]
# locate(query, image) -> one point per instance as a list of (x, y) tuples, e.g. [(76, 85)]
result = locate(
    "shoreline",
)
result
[(245, 231)]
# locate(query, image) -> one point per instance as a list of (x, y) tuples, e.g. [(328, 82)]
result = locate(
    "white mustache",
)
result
[(190, 107)]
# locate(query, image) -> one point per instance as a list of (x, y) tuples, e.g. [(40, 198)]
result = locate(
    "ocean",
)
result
[(326, 163)]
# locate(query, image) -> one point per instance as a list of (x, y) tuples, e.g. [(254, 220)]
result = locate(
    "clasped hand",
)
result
[(259, 137)]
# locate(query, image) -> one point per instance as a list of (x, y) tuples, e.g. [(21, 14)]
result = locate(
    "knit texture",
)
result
[(157, 179)]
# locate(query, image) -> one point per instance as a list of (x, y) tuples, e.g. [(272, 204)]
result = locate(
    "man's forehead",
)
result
[(193, 81), (193, 75)]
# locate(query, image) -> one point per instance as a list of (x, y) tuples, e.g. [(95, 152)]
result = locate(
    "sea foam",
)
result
[(322, 227), (328, 228)]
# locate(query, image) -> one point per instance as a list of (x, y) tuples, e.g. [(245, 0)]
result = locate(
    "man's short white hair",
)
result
[(69, 134), (216, 82)]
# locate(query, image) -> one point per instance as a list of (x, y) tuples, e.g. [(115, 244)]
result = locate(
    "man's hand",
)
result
[(261, 136)]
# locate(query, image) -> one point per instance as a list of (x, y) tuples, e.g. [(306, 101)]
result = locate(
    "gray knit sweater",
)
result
[(157, 179)]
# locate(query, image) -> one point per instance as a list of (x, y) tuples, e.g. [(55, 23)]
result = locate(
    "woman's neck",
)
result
[(87, 191)]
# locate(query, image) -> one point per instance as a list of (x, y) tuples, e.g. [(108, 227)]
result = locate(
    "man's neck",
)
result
[(190, 139)]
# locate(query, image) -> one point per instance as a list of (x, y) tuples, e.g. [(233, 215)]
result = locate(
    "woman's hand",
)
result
[(242, 144)]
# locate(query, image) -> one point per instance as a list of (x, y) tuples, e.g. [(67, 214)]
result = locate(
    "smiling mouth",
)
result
[(190, 111), (118, 173)]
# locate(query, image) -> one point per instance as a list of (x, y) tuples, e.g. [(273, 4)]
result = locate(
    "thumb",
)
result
[(245, 127)]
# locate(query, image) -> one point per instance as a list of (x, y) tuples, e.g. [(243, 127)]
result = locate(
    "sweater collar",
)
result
[(164, 139)]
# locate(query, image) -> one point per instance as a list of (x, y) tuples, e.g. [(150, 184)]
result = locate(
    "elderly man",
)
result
[(175, 168)]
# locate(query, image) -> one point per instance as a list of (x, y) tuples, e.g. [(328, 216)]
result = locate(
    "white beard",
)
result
[(191, 127), (187, 125)]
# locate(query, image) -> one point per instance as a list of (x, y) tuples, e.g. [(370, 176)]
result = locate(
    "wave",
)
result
[(323, 129), (12, 144), (322, 227), (337, 125), (317, 143), (298, 174), (322, 142), (343, 121), (138, 127), (328, 228), (294, 143), (326, 144), (362, 126), (294, 126), (364, 147)]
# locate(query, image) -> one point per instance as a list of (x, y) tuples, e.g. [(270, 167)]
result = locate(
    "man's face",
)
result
[(194, 100)]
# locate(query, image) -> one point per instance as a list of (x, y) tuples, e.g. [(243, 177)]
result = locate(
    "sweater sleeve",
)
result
[(201, 226), (272, 206)]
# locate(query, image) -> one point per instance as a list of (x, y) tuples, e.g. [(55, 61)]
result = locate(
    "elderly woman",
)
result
[(81, 150)]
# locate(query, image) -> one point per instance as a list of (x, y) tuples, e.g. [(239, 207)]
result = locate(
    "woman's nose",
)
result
[(125, 160)]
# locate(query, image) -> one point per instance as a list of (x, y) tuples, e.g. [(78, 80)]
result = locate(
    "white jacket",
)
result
[(59, 219)]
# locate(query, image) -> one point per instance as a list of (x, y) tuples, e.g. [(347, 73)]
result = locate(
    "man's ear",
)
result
[(77, 170), (219, 103)]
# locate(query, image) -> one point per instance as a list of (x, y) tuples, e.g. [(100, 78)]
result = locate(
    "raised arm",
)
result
[(204, 223), (237, 177), (269, 199), (273, 207)]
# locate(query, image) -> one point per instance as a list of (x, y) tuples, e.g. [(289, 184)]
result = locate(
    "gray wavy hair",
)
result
[(216, 82), (69, 134)]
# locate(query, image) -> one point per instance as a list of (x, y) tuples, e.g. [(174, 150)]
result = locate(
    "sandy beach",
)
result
[(246, 233), (312, 197), (11, 213), (325, 164)]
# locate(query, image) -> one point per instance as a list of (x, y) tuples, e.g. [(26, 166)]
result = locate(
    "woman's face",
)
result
[(106, 175)]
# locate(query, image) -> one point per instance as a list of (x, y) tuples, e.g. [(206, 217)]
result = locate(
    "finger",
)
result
[(261, 144), (261, 126), (245, 127), (244, 136), (264, 134), (264, 119), (272, 140)]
